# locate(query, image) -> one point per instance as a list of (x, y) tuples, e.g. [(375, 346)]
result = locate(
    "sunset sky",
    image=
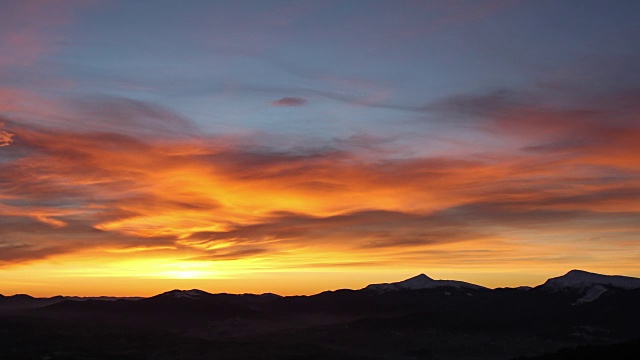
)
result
[(300, 146)]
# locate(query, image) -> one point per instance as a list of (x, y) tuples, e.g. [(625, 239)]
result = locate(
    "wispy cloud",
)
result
[(5, 138)]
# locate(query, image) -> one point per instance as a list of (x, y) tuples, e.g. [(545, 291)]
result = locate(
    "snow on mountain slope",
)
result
[(583, 279), (588, 285), (592, 294), (421, 281)]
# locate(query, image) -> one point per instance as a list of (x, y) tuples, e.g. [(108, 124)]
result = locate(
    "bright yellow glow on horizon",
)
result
[(92, 273)]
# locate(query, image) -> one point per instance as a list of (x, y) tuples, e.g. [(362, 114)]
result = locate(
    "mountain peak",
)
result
[(417, 282), (421, 276), (22, 297), (185, 294), (580, 279), (577, 272), (420, 281)]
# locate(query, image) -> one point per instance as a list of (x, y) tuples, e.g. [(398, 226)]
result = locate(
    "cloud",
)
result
[(13, 253), (115, 174), (289, 101), (94, 114), (5, 138), (469, 223), (133, 117), (368, 229), (26, 237), (28, 31), (474, 106), (589, 129), (231, 255)]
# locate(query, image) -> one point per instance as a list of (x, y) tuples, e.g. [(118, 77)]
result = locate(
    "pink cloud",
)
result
[(29, 29)]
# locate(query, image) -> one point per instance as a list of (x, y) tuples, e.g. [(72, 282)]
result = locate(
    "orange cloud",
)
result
[(257, 202), (5, 138)]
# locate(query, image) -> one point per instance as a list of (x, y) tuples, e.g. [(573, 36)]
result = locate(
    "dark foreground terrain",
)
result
[(576, 316)]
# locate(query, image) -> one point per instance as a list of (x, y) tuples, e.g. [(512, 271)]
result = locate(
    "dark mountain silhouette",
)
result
[(582, 279), (23, 301), (586, 286), (422, 281), (418, 318)]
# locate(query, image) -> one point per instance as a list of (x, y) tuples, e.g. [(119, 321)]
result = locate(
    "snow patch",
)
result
[(583, 279), (589, 286), (592, 294)]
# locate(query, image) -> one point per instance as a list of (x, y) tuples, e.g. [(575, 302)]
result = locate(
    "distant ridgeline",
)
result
[(418, 318)]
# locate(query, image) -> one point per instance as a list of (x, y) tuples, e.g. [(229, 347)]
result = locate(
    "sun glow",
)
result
[(185, 274), (185, 270)]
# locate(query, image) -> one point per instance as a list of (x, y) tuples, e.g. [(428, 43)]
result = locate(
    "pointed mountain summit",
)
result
[(421, 281), (417, 282)]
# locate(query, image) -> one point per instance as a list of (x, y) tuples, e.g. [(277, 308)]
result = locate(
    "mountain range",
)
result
[(417, 318)]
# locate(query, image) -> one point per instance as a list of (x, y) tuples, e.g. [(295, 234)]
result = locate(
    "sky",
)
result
[(300, 146)]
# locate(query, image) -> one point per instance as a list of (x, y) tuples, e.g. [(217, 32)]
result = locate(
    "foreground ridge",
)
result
[(416, 318)]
